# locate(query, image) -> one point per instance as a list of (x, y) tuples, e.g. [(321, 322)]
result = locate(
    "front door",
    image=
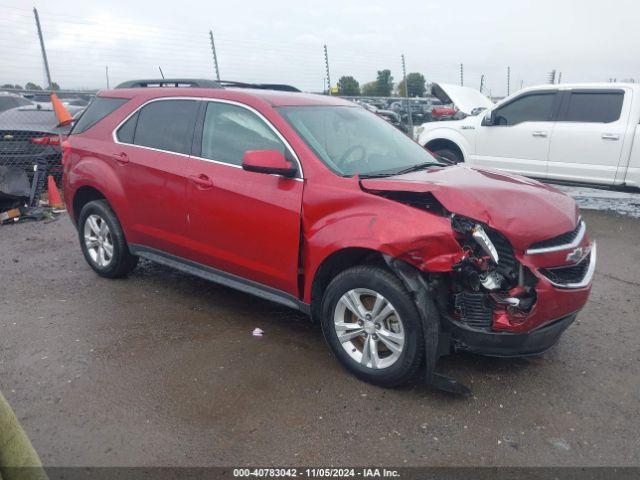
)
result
[(518, 141), (240, 222)]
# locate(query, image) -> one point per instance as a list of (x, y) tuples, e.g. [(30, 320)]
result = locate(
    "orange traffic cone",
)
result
[(62, 114), (55, 200)]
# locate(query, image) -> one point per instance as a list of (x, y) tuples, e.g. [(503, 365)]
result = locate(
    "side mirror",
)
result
[(268, 161), (488, 119)]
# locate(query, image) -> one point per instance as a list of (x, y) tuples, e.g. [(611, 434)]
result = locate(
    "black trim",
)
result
[(203, 83), (196, 145), (598, 186), (170, 82), (505, 344), (221, 277)]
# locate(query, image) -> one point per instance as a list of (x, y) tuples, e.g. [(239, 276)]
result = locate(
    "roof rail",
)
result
[(260, 86), (170, 82)]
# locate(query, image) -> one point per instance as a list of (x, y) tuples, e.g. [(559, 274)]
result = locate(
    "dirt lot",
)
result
[(162, 369)]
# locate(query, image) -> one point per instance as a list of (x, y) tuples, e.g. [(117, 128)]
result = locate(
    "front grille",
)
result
[(570, 274), (564, 239), (475, 309), (507, 263)]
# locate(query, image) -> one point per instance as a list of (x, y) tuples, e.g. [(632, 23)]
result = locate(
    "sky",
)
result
[(275, 41)]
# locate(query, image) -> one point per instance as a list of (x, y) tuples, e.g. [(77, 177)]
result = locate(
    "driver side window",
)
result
[(535, 107), (229, 131)]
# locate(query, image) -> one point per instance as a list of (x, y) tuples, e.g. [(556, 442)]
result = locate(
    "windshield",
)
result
[(351, 140)]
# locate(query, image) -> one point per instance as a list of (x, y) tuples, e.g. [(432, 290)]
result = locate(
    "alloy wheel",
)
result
[(369, 328), (98, 240)]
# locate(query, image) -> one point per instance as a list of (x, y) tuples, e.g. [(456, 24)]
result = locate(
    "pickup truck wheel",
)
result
[(102, 241), (449, 155), (373, 326)]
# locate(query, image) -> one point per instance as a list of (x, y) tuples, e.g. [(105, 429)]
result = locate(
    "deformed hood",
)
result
[(524, 210), (464, 98)]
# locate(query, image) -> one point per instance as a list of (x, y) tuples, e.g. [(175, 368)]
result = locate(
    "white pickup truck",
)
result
[(569, 133)]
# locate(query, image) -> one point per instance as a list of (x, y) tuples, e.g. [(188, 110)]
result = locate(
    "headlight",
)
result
[(473, 229), (480, 236)]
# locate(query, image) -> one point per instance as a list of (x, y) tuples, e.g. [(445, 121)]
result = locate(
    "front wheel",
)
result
[(373, 326)]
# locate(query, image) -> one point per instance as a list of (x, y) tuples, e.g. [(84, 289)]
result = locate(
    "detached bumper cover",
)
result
[(505, 344)]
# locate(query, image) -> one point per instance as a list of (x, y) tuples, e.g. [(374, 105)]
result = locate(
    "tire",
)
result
[(393, 368), (99, 231), (449, 154)]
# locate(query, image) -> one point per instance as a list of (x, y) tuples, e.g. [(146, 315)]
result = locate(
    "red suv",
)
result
[(315, 203)]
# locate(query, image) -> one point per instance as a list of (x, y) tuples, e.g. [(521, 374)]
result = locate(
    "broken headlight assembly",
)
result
[(489, 285)]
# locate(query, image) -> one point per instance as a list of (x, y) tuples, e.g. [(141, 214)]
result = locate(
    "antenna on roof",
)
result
[(161, 74)]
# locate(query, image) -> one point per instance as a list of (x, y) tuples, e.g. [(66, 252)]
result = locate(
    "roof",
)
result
[(274, 98), (586, 85)]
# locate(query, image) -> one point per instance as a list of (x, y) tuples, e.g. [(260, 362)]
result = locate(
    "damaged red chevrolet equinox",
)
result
[(315, 203)]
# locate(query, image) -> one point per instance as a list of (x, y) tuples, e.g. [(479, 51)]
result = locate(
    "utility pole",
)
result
[(481, 83), (560, 77), (44, 52), (326, 64), (215, 56), (106, 72), (508, 81), (521, 84), (406, 91), (461, 75), (552, 77)]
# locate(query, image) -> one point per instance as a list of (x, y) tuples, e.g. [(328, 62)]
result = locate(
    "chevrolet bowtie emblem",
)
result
[(578, 254), (7, 137)]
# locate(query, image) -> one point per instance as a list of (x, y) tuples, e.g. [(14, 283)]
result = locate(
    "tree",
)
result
[(18, 87), (347, 85), (32, 86), (369, 89), (416, 84), (384, 83), (55, 86), (7, 85)]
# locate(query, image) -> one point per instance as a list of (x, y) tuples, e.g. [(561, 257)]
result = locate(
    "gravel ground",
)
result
[(162, 369)]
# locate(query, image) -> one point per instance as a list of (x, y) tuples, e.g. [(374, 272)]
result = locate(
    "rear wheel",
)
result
[(372, 325), (102, 240)]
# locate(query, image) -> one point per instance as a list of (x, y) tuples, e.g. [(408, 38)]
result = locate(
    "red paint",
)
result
[(278, 231), (442, 112)]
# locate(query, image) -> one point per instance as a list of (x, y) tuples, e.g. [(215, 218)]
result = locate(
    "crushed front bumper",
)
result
[(507, 344)]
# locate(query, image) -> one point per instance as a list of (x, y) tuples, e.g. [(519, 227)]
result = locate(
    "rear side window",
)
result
[(597, 107), (127, 131), (99, 108), (164, 125), (530, 108)]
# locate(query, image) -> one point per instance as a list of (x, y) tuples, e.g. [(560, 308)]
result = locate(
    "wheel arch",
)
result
[(335, 263), (82, 196), (442, 143)]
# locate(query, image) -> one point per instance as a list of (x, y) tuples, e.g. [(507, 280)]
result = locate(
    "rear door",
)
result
[(243, 223), (151, 156), (587, 141), (519, 140)]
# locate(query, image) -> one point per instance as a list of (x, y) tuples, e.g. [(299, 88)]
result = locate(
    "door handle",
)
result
[(201, 181), (610, 136), (122, 158), (540, 133)]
